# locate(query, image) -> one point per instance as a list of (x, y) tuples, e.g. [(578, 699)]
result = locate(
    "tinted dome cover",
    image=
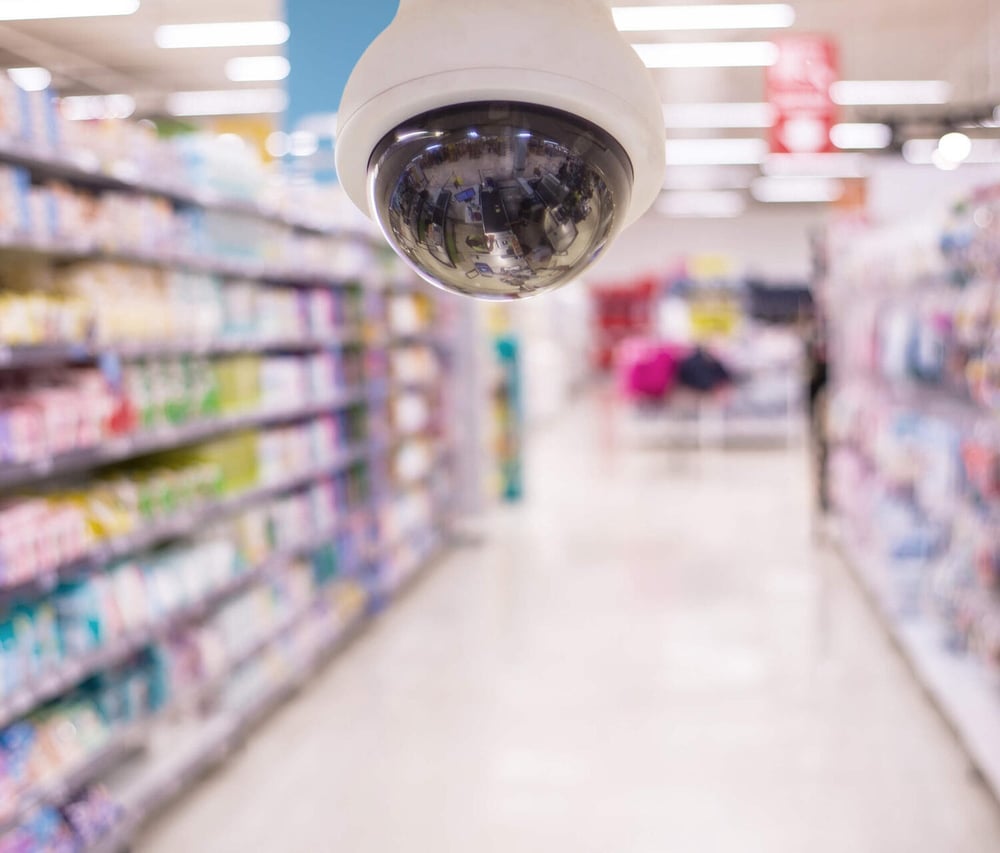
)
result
[(499, 200)]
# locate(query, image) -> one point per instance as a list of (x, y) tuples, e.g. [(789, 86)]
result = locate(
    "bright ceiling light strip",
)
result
[(709, 178), (31, 79), (227, 102), (920, 152), (717, 115), (38, 10), (96, 107), (245, 69), (861, 136), (711, 152), (751, 16), (717, 54), (236, 34), (837, 165), (796, 190), (702, 205), (863, 93)]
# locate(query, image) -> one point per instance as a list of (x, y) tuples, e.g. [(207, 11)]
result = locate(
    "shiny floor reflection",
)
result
[(649, 657)]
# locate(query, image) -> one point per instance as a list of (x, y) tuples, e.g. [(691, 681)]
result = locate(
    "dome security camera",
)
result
[(501, 145)]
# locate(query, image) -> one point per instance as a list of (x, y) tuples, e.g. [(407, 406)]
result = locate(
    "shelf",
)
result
[(120, 745), (125, 448), (75, 672), (958, 685), (223, 267), (56, 355), (86, 170)]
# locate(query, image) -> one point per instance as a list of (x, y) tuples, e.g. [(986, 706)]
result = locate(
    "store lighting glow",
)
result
[(302, 143), (796, 190), (31, 79), (921, 152), (836, 165), (97, 107), (955, 147), (278, 144), (711, 152), (717, 54), (717, 115), (38, 10), (871, 136), (865, 93), (236, 34), (255, 69), (752, 16), (709, 178), (701, 205), (227, 102)]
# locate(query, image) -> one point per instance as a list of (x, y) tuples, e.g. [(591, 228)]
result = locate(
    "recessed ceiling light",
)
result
[(715, 115), (36, 10), (889, 92), (710, 152), (709, 17), (227, 102), (716, 54), (251, 69), (235, 34), (31, 79)]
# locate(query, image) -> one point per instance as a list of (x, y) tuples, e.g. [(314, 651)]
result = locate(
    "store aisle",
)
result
[(649, 657)]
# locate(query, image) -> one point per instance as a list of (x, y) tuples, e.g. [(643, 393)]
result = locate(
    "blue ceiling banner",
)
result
[(327, 39)]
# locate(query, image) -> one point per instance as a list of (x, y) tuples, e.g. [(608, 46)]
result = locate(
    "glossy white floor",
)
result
[(650, 656)]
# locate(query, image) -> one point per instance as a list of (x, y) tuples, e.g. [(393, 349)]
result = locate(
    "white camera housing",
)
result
[(513, 64)]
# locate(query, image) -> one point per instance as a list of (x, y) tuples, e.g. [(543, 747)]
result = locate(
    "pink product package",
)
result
[(647, 370)]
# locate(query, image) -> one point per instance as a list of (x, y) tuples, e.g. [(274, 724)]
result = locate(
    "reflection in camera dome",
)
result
[(497, 212)]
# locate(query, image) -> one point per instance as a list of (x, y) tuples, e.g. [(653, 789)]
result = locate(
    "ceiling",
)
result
[(879, 39)]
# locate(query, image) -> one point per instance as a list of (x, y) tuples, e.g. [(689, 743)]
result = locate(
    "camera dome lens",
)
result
[(499, 200)]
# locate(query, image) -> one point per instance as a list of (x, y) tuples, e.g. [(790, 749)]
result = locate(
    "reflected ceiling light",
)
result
[(690, 116), (794, 190), (97, 107), (709, 178), (701, 205), (302, 143), (254, 69), (717, 54), (36, 10), (889, 92), (236, 34), (278, 144), (31, 79), (751, 16), (710, 152), (860, 135), (835, 165), (227, 102)]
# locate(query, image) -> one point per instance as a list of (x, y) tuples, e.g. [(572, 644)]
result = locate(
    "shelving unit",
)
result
[(149, 762)]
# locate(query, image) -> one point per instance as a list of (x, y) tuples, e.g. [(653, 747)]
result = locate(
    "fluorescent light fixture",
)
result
[(253, 69), (796, 190), (715, 54), (955, 147), (752, 16), (31, 79), (692, 116), (861, 135), (227, 102), (865, 93), (921, 152), (816, 165), (236, 34), (701, 205), (97, 107), (38, 10), (709, 178), (711, 152)]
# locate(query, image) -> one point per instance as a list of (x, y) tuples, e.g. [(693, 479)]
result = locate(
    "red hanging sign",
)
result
[(798, 88)]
